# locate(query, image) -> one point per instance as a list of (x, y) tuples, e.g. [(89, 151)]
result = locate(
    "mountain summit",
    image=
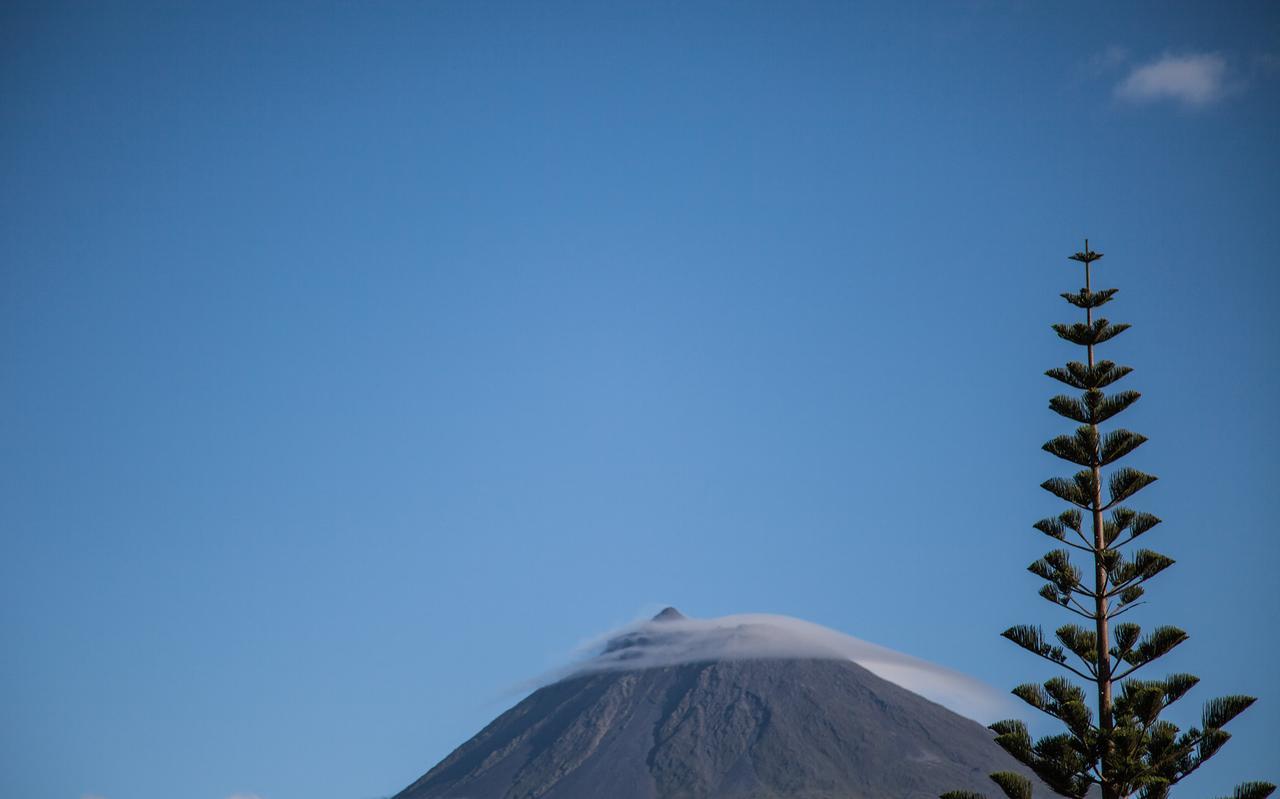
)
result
[(744, 707), (669, 614)]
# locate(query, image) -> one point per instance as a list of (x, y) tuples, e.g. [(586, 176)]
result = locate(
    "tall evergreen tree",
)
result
[(1115, 738)]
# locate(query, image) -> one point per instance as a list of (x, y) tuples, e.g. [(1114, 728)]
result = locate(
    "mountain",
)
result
[(675, 709)]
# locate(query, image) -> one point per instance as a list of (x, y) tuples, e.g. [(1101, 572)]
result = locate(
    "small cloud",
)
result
[(1194, 80), (244, 796), (91, 796)]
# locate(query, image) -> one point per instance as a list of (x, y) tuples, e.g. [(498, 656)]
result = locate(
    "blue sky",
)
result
[(359, 361)]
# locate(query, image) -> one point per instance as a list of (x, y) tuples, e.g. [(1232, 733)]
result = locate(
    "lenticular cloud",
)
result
[(671, 639)]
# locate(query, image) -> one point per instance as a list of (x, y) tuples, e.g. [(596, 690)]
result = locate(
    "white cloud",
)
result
[(765, 636), (1193, 80), (244, 796)]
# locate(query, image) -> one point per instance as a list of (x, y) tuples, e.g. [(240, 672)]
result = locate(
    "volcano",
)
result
[(736, 708)]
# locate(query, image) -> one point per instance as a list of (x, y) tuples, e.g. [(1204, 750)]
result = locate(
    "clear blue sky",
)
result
[(359, 361)]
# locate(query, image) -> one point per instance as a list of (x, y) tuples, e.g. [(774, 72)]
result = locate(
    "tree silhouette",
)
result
[(1120, 743)]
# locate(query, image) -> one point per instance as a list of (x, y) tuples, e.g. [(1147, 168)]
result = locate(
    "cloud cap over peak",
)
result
[(1193, 80), (672, 641)]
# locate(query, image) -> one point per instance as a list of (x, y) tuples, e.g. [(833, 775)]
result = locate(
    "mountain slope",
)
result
[(777, 728)]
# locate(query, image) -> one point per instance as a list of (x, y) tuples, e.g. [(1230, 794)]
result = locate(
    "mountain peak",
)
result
[(669, 614)]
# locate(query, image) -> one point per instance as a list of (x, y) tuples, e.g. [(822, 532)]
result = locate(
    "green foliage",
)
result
[(1083, 643), (1080, 449), (1063, 577), (1064, 701), (1015, 786), (1217, 712), (1090, 299), (1126, 482), (1093, 406), (1083, 448), (1117, 444), (1159, 643), (1252, 790), (1089, 334), (1082, 376), (1123, 520), (1115, 737), (1055, 759), (1080, 489), (1126, 636), (1032, 639), (1126, 575)]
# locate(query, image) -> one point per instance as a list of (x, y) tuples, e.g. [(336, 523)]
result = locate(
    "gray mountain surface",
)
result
[(803, 728)]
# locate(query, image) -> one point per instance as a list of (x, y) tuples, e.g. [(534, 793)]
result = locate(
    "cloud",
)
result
[(91, 796), (244, 796), (1194, 80), (755, 636)]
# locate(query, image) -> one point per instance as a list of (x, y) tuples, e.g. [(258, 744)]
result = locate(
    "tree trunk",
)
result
[(1101, 604)]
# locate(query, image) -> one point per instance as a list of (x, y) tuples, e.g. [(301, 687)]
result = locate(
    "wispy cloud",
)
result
[(1193, 80), (244, 796)]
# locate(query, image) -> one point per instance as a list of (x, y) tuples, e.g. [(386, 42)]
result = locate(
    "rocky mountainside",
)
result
[(742, 728)]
